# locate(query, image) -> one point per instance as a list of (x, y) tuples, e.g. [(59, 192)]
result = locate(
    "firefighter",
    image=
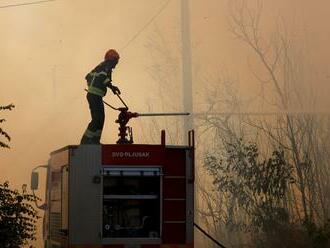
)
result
[(98, 80)]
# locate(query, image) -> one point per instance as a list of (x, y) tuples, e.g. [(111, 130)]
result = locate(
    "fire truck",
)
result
[(120, 196)]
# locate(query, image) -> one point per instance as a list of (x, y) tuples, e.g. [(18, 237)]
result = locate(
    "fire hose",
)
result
[(124, 117)]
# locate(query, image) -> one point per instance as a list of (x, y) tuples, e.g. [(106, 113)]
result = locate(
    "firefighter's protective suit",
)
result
[(98, 80)]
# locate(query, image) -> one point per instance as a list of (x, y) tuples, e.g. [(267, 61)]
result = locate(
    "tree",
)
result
[(218, 130), (165, 72), (256, 187), (2, 132), (299, 134), (302, 136), (17, 217)]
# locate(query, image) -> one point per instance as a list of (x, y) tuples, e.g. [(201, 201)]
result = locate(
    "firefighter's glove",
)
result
[(115, 90)]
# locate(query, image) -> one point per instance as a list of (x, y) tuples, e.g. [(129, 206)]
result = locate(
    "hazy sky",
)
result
[(47, 49)]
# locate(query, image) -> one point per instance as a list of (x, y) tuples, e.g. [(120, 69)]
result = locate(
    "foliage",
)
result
[(320, 235), (256, 186), (295, 134), (17, 217), (2, 132), (302, 134)]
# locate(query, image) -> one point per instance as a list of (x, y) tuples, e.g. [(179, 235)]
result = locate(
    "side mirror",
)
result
[(34, 180)]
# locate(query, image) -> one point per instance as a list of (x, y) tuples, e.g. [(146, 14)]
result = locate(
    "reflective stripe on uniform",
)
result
[(90, 134), (107, 80), (96, 91), (95, 74), (97, 82)]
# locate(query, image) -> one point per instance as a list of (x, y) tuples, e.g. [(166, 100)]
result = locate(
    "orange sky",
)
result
[(48, 48)]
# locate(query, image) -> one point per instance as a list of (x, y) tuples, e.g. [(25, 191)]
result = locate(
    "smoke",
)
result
[(47, 50)]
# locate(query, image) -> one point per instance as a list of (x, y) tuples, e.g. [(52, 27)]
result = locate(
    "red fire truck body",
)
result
[(120, 196)]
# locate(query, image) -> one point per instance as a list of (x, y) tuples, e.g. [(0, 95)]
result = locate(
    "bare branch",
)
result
[(2, 132), (7, 107), (3, 145)]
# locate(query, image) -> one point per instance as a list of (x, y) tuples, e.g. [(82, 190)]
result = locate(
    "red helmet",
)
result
[(111, 54)]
